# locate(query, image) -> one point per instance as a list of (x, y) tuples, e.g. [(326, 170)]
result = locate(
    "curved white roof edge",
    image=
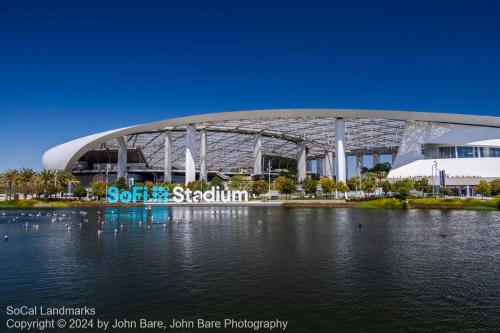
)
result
[(63, 156)]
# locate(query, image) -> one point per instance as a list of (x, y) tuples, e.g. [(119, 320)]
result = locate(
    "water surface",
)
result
[(320, 269)]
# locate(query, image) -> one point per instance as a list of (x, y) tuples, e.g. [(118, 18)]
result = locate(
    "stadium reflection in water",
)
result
[(320, 269)]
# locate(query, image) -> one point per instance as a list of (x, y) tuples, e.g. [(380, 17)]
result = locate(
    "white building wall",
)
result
[(410, 161)]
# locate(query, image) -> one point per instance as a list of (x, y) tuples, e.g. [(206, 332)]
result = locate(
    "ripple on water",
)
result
[(402, 270)]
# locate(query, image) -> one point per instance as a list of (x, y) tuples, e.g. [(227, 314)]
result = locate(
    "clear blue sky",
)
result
[(71, 68)]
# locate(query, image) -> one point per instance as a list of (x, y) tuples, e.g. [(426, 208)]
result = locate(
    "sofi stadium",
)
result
[(325, 142)]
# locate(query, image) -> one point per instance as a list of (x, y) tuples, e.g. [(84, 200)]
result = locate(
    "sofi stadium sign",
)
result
[(161, 194)]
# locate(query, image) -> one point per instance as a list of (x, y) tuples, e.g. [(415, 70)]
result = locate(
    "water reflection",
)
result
[(322, 269)]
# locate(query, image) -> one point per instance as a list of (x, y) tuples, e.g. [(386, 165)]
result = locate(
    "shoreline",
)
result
[(381, 203)]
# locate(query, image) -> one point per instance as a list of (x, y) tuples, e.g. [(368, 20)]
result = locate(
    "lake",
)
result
[(320, 269)]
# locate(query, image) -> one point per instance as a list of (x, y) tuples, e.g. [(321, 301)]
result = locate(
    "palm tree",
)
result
[(66, 179), (45, 180), (9, 179), (26, 178)]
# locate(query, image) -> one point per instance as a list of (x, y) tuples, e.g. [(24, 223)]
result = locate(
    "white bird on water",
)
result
[(5, 237)]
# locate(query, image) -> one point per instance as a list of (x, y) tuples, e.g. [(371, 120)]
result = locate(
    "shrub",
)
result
[(121, 183), (217, 181), (259, 187), (387, 187), (495, 187), (80, 192), (403, 187)]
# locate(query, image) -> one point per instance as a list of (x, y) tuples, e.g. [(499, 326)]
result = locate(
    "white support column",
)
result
[(376, 158), (340, 165), (190, 174), (257, 155), (167, 173), (359, 164), (301, 160), (203, 155), (328, 164), (122, 157)]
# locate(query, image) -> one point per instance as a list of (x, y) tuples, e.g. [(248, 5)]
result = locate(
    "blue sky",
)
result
[(71, 68)]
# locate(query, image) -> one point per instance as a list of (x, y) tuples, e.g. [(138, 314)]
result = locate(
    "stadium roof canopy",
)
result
[(230, 135)]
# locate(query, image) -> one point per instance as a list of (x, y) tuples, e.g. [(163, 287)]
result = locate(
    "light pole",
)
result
[(269, 176), (433, 177), (55, 183), (107, 173)]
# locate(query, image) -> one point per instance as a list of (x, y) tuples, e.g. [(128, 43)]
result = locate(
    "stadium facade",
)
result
[(320, 141)]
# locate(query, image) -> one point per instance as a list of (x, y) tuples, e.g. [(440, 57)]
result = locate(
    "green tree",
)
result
[(27, 181), (368, 185), (217, 181), (354, 183), (495, 187), (387, 187), (66, 179), (46, 177), (310, 185), (80, 192), (51, 189), (259, 187), (287, 186), (422, 185), (445, 191), (98, 189), (341, 187), (237, 182), (9, 180), (122, 184), (483, 188), (403, 187), (327, 185), (382, 167), (279, 181)]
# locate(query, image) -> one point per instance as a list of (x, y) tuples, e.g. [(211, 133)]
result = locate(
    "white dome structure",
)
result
[(467, 147)]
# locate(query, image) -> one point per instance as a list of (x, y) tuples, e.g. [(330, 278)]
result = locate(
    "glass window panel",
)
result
[(464, 152), (480, 152), (494, 152), (446, 152)]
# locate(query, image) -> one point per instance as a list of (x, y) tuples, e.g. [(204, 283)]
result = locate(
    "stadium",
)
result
[(333, 143)]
